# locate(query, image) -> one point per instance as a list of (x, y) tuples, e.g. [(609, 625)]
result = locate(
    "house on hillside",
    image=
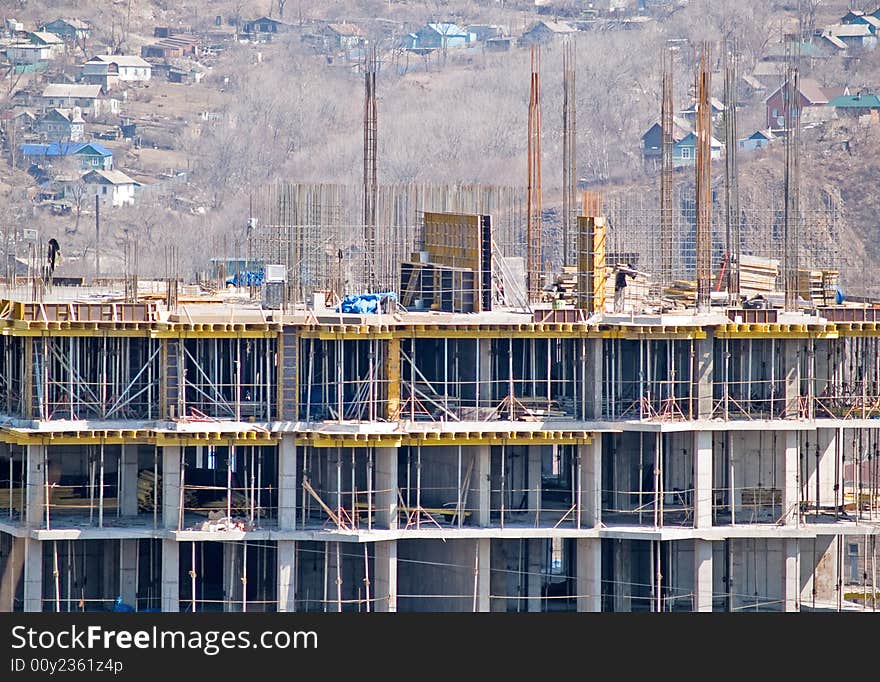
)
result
[(690, 114), (856, 106), (854, 36), (811, 96), (857, 17), (89, 155), (480, 33), (112, 187), (175, 47), (61, 124), (342, 37), (87, 97), (28, 54), (68, 29), (265, 25), (439, 36), (757, 140), (108, 70), (48, 40), (652, 140), (545, 32), (684, 152)]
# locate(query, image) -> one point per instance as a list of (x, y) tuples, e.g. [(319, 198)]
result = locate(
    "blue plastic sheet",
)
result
[(364, 304), (246, 278)]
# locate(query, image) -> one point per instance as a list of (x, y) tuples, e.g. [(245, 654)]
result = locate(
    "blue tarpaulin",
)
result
[(363, 304), (246, 278)]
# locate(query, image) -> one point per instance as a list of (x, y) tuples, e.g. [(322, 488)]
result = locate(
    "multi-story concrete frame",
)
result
[(223, 457)]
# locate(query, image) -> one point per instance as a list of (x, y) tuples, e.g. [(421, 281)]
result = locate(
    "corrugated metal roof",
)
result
[(63, 149), (867, 101)]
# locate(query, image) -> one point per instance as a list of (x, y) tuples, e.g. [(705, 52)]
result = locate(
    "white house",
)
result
[(85, 96), (112, 186), (106, 70)]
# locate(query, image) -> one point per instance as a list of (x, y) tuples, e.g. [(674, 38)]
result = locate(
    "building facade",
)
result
[(234, 459)]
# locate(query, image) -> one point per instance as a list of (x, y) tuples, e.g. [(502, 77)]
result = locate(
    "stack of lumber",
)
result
[(757, 275), (682, 292), (145, 490), (239, 506), (567, 284), (16, 499), (818, 287), (762, 497)]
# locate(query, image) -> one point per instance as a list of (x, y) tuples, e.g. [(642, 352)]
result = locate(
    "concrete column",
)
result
[(385, 581), (484, 377), (129, 501), (534, 579), (703, 374), (589, 574), (170, 485), (170, 576), (35, 498), (128, 571), (484, 572), (287, 472), (482, 485), (788, 468), (791, 575), (386, 498), (591, 482), (33, 575), (592, 380), (534, 484), (791, 377), (703, 479), (702, 575), (232, 574), (622, 576), (286, 557)]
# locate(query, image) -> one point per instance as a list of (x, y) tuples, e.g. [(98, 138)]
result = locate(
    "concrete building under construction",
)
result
[(219, 455)]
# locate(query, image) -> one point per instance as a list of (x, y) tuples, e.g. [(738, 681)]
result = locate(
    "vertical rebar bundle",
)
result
[(533, 226), (666, 170), (731, 180), (791, 178), (371, 182), (569, 150), (704, 181)]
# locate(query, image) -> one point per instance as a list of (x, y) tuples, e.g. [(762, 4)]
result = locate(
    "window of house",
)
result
[(103, 190), (775, 113), (685, 152)]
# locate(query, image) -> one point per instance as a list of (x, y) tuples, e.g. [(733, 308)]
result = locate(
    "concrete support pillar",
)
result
[(703, 479), (129, 501), (35, 498), (590, 492), (592, 378), (791, 575), (385, 464), (170, 485), (703, 374), (111, 572), (128, 571), (791, 377), (788, 469), (33, 575), (385, 581), (534, 579), (287, 471), (286, 557), (484, 573), (589, 574), (622, 576), (232, 574), (534, 472), (702, 575), (170, 576), (482, 485), (484, 372)]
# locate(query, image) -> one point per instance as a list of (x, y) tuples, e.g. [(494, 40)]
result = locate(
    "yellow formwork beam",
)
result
[(438, 438)]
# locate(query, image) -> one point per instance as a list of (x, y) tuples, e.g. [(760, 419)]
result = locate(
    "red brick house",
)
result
[(811, 95)]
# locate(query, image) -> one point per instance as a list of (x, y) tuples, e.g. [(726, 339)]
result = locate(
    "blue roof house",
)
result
[(91, 155)]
